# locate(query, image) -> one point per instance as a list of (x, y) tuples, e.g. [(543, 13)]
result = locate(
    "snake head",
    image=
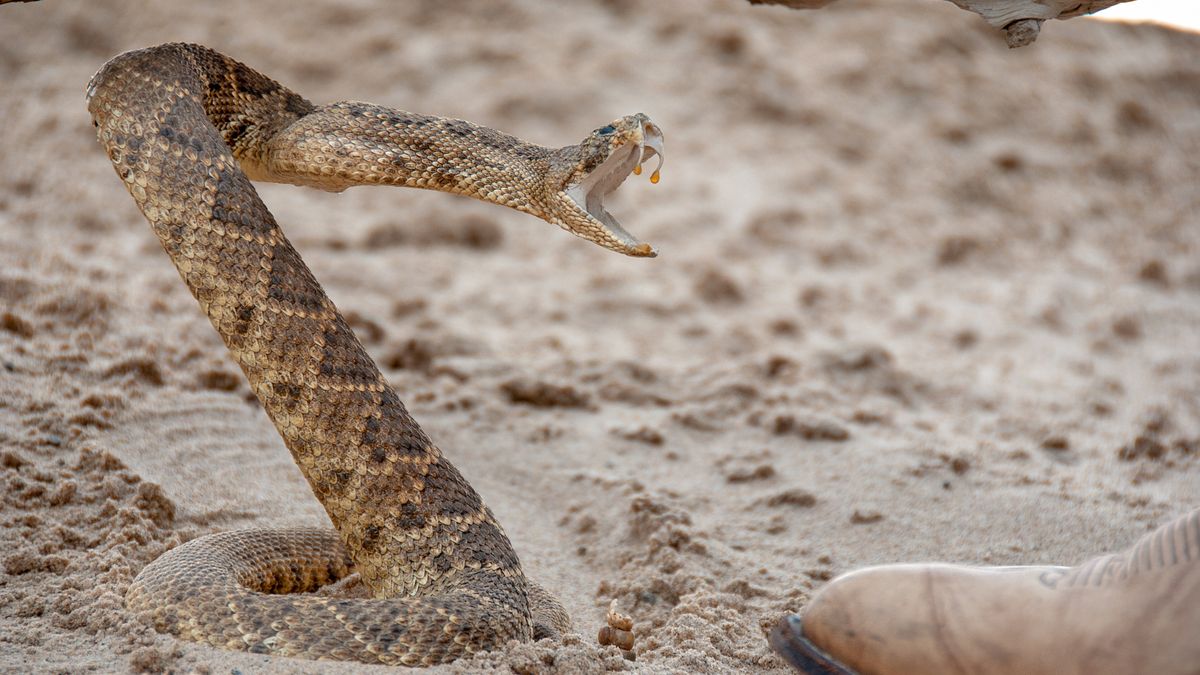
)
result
[(586, 173)]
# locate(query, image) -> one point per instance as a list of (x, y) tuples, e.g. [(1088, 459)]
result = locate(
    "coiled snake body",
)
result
[(186, 128)]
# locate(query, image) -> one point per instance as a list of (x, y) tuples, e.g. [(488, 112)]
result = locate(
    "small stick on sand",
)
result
[(618, 632)]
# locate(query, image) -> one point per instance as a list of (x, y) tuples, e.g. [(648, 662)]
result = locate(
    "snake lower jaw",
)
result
[(587, 218), (585, 214)]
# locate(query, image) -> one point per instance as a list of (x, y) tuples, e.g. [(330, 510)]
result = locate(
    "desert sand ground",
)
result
[(919, 297)]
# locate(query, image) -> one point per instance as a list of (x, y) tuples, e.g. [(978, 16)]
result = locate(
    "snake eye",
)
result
[(606, 130)]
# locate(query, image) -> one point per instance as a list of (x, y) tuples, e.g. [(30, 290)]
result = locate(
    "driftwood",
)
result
[(1021, 20)]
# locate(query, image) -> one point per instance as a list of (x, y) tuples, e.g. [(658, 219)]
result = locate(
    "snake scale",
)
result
[(186, 129)]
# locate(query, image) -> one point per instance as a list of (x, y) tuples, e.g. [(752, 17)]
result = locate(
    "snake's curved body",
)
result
[(186, 128)]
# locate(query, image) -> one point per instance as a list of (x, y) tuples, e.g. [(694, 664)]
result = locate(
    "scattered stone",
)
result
[(403, 308), (1155, 272), (745, 475), (365, 329), (869, 417), (868, 357), (11, 460), (89, 418), (1142, 446), (960, 465), (692, 420), (1056, 443), (717, 288), (793, 497), (820, 574), (1009, 161), (784, 328), (1132, 116), (541, 394), (469, 231), (385, 236), (745, 589), (811, 296), (955, 250), (632, 394), (816, 430), (778, 365), (103, 401), (143, 369), (776, 227), (775, 525), (1157, 421), (219, 380), (1127, 328), (415, 354), (16, 325), (860, 518), (729, 42), (642, 434)]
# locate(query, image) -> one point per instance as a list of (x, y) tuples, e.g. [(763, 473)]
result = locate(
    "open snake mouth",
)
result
[(624, 160)]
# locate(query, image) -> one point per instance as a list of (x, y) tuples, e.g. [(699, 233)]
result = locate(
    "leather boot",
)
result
[(1137, 611)]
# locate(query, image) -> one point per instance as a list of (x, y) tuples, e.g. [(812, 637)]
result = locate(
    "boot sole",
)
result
[(787, 639)]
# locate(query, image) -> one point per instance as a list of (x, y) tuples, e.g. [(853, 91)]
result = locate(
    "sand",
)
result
[(919, 298)]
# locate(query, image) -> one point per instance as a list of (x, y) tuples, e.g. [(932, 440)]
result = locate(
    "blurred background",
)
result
[(918, 296)]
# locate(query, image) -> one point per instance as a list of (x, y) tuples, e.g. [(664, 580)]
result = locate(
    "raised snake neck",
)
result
[(175, 121)]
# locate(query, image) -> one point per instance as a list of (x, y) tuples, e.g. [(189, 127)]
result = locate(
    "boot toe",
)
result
[(788, 640)]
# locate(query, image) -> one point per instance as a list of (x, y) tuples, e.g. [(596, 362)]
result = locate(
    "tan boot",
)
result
[(1137, 611)]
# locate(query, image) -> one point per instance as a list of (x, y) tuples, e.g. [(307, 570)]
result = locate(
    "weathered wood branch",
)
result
[(1021, 20)]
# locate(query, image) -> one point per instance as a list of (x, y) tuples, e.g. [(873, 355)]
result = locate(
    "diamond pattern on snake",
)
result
[(187, 129)]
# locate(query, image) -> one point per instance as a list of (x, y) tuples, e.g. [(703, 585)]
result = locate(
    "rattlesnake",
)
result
[(186, 128)]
